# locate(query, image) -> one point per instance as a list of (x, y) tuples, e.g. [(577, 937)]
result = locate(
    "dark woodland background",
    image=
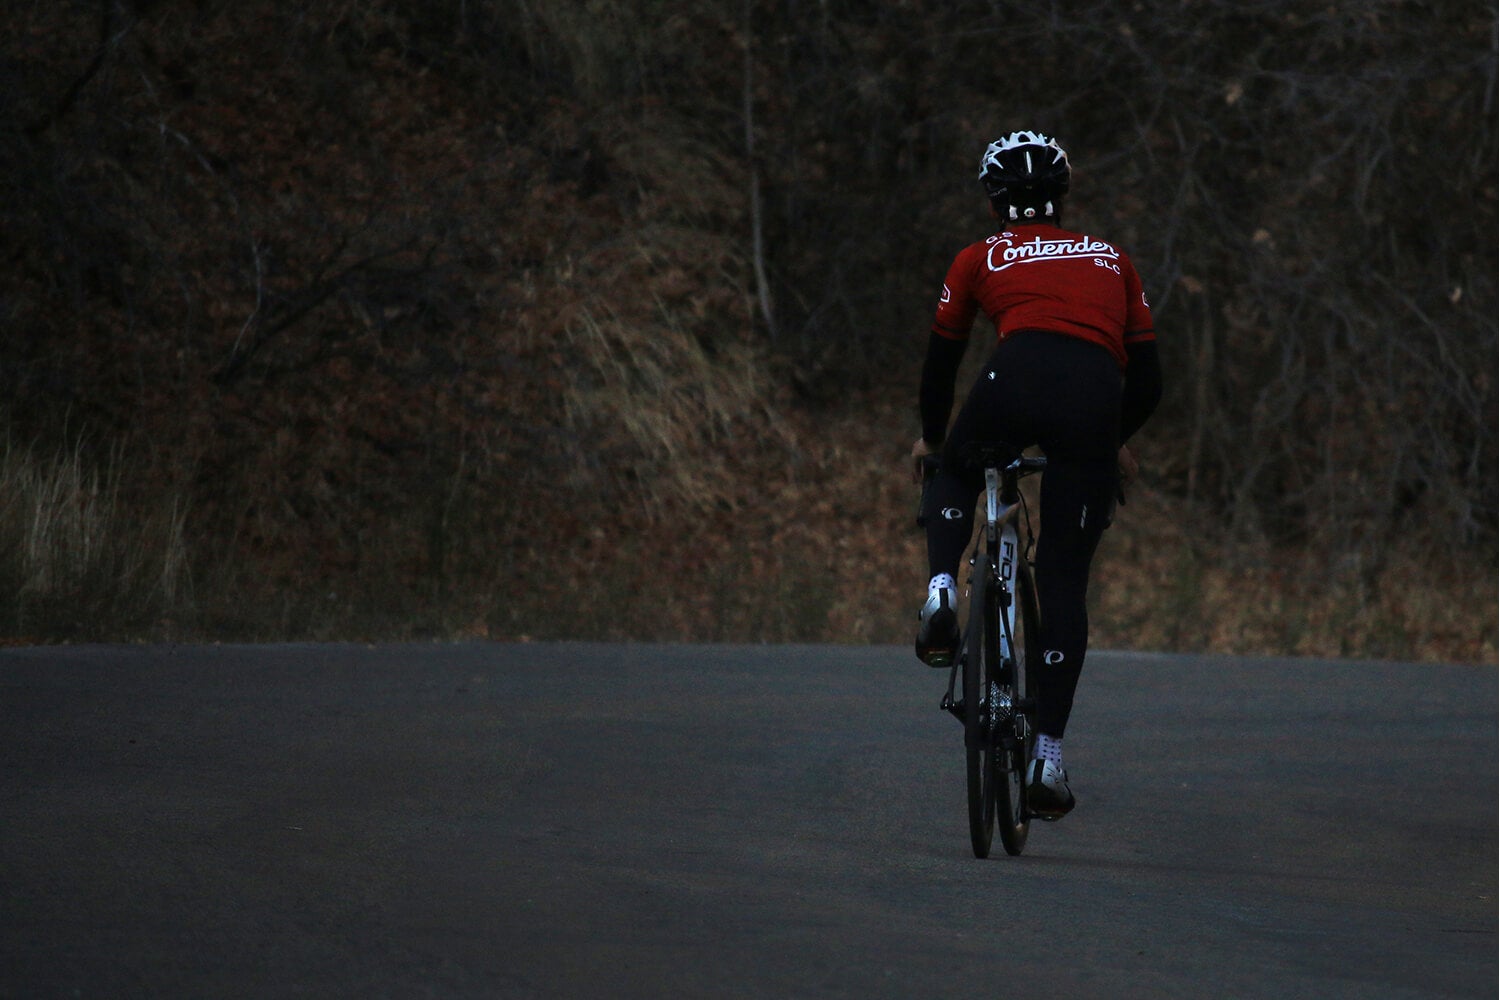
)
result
[(398, 319)]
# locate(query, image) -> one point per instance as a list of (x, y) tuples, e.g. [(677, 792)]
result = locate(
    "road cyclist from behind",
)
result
[(1075, 372)]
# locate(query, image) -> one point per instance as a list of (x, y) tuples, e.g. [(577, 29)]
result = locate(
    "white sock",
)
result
[(1048, 748), (943, 581)]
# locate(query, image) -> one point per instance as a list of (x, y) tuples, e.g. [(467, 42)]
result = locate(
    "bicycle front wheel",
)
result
[(981, 646), (1016, 737)]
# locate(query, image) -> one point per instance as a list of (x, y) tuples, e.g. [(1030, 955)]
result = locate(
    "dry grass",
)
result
[(78, 559), (823, 548), (655, 416), (1191, 586), (806, 535)]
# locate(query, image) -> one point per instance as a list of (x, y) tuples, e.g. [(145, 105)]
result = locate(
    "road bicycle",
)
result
[(998, 653)]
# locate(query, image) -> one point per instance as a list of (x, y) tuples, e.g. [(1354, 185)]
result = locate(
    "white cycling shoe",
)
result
[(937, 639), (1047, 793)]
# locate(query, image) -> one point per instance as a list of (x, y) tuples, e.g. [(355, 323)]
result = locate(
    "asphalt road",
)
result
[(683, 821)]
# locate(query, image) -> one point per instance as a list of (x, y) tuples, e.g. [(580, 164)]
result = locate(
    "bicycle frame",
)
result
[(1003, 540), (996, 705), (1002, 545)]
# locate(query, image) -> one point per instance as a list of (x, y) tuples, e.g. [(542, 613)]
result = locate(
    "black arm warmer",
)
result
[(938, 374), (1142, 388)]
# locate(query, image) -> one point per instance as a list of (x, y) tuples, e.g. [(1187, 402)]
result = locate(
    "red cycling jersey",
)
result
[(1040, 277)]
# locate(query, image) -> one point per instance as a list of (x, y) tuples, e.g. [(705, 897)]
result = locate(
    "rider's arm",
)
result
[(1142, 367), (939, 372), (1142, 387), (945, 348)]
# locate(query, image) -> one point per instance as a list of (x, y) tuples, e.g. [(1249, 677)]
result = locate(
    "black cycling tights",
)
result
[(1063, 394)]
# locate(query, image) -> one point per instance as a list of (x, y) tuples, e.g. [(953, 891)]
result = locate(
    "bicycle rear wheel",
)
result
[(981, 647), (1016, 736)]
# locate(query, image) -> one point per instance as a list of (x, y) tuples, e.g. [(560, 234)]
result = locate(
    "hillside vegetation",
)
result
[(380, 319)]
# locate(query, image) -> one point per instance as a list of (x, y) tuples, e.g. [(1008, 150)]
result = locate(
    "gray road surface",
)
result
[(682, 821)]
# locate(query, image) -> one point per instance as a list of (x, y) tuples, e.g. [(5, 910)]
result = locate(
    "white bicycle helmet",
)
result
[(1028, 172)]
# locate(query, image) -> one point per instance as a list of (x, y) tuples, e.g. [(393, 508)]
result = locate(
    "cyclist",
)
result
[(1075, 372)]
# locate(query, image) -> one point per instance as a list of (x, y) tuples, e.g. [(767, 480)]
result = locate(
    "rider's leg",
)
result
[(950, 519), (989, 415), (1075, 503), (950, 501), (1074, 397)]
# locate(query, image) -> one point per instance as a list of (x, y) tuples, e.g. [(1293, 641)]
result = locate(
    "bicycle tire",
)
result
[(1013, 818), (979, 759)]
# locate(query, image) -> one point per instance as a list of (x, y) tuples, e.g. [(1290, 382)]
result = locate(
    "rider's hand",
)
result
[(919, 451)]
